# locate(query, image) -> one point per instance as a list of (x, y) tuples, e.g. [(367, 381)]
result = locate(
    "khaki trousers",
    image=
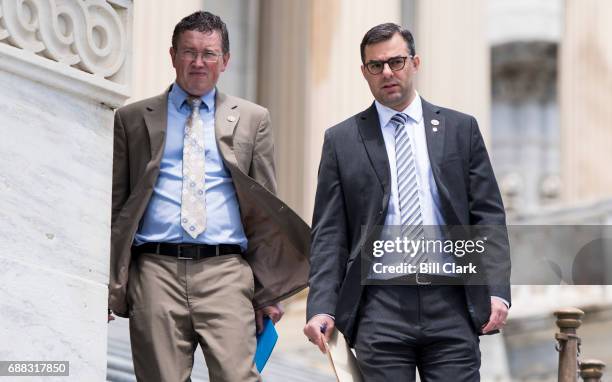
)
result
[(177, 304)]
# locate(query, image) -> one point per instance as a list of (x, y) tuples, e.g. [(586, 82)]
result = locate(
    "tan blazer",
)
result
[(278, 239)]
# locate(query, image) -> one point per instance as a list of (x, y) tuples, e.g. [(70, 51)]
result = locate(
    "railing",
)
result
[(568, 346)]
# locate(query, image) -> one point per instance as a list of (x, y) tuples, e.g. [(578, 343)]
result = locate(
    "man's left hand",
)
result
[(499, 313), (275, 312)]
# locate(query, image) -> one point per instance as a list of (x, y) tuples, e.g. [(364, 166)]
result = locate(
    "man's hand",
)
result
[(110, 316), (319, 329), (499, 313), (275, 312)]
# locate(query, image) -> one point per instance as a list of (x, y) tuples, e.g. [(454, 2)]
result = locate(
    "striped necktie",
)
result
[(193, 195), (408, 189)]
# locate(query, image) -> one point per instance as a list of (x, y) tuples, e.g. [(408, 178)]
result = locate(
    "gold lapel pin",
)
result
[(231, 118)]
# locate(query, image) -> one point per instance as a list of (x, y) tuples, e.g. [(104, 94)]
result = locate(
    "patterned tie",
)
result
[(408, 189), (193, 196)]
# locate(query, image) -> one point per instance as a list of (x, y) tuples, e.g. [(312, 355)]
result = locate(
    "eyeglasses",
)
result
[(395, 63), (192, 55)]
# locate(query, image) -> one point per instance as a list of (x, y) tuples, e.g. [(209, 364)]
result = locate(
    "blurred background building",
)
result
[(537, 74)]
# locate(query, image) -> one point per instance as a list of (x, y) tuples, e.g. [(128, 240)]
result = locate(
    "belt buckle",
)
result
[(421, 282), (179, 255)]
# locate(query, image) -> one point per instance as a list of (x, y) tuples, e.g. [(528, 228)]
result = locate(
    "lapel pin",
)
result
[(231, 118), (435, 123)]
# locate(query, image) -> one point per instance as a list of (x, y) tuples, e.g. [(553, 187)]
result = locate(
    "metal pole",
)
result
[(591, 370), (568, 320)]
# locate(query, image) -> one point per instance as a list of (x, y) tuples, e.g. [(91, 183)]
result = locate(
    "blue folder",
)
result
[(265, 343)]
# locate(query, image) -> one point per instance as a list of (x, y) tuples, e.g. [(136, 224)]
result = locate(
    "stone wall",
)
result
[(63, 68)]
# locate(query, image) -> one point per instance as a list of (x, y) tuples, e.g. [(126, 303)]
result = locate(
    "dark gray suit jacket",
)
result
[(353, 194)]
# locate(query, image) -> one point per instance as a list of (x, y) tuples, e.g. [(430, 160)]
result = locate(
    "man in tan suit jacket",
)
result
[(188, 270)]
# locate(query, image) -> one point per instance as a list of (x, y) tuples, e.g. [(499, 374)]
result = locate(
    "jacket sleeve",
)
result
[(329, 248), (120, 188), (488, 215), (121, 168)]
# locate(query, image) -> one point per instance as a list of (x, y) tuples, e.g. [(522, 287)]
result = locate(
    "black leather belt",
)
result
[(188, 251), (430, 279)]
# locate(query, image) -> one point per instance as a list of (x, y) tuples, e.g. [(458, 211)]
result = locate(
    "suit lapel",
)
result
[(156, 120), (371, 134), (435, 135), (227, 116)]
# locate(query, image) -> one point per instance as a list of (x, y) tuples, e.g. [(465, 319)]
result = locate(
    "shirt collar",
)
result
[(414, 111), (178, 97)]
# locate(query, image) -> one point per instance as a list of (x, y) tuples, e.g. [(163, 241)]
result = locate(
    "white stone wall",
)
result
[(63, 67), (524, 20)]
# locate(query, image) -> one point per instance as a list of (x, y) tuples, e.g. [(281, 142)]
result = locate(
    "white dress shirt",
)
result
[(429, 198), (428, 191)]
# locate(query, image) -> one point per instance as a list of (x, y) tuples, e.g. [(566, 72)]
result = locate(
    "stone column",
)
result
[(451, 38), (154, 21), (338, 89), (64, 66), (586, 88), (242, 19), (282, 87), (309, 78)]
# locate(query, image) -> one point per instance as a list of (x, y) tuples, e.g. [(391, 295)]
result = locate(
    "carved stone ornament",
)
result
[(85, 34), (524, 71)]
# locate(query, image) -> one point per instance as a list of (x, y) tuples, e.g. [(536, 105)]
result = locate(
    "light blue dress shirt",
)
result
[(161, 221)]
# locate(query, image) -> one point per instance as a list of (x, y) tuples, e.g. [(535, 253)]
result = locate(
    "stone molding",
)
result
[(61, 41), (523, 71)]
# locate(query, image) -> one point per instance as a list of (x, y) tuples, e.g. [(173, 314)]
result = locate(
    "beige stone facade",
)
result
[(300, 59)]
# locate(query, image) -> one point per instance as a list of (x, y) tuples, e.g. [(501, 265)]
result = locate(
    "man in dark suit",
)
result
[(201, 248), (405, 163)]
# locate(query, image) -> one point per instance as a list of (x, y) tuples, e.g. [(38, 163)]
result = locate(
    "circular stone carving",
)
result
[(26, 12), (86, 34), (100, 39)]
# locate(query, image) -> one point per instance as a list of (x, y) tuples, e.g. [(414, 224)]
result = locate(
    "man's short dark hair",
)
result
[(202, 22), (384, 32)]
